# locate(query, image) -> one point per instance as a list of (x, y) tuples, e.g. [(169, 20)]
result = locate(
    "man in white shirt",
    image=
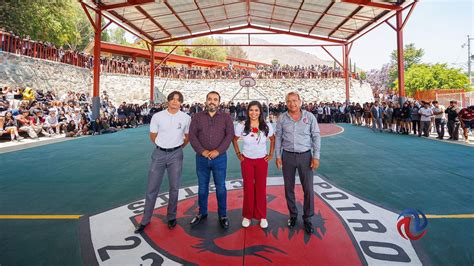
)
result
[(425, 118), (169, 132), (440, 121)]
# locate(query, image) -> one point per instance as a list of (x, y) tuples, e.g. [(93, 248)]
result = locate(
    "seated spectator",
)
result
[(71, 130), (97, 127), (4, 105), (84, 127), (51, 123), (116, 123), (25, 125), (107, 128), (9, 125), (63, 120), (77, 117), (37, 123)]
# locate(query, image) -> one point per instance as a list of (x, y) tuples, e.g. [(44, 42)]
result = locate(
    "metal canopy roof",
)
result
[(161, 21)]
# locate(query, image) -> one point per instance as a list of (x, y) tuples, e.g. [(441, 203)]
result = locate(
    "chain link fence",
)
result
[(464, 99)]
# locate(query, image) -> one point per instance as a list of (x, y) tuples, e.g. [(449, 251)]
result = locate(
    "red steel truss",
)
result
[(341, 34)]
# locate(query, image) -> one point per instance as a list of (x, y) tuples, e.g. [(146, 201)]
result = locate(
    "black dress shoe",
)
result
[(197, 219), (139, 228), (292, 222), (224, 222), (308, 227), (171, 223)]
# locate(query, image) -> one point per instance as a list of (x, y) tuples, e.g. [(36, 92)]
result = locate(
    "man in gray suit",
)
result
[(377, 114)]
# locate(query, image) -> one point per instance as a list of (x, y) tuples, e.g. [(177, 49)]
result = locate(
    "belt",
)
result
[(168, 150), (294, 152)]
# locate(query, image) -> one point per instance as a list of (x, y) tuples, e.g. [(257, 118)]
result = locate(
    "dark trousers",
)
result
[(416, 125), (320, 118), (439, 124), (425, 127), (453, 130), (301, 162)]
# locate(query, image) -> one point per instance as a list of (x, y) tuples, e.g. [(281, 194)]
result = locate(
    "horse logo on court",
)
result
[(416, 231), (359, 231)]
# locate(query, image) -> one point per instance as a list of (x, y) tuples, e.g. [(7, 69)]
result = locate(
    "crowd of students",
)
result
[(38, 113), (34, 114), (415, 117), (10, 42)]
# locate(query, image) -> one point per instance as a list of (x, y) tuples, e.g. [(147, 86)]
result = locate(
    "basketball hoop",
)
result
[(247, 82)]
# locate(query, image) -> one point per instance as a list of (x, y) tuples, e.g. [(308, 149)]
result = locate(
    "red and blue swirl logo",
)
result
[(410, 225)]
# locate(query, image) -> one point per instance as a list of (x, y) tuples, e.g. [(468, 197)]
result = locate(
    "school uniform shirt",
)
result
[(254, 144), (438, 109), (170, 128), (426, 114), (51, 121), (466, 114)]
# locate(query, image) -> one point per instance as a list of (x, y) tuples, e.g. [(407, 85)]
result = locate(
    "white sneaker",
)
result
[(263, 223), (245, 222)]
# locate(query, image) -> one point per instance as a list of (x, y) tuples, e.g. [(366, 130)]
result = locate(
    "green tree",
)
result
[(411, 56), (117, 36), (165, 49), (104, 35), (363, 75), (274, 62), (82, 32), (237, 52), (58, 22), (216, 53), (439, 76)]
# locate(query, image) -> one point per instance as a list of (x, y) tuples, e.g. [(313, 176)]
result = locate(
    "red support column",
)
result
[(95, 92), (401, 60), (345, 60), (152, 72), (98, 19)]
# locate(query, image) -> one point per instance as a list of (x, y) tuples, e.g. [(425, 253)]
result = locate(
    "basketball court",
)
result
[(77, 202)]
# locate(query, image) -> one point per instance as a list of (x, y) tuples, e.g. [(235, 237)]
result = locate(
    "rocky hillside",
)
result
[(284, 55)]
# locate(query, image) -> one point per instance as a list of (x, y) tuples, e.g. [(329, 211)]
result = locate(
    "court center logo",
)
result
[(348, 231), (410, 225)]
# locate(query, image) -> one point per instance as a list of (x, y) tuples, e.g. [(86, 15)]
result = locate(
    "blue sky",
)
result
[(439, 27)]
